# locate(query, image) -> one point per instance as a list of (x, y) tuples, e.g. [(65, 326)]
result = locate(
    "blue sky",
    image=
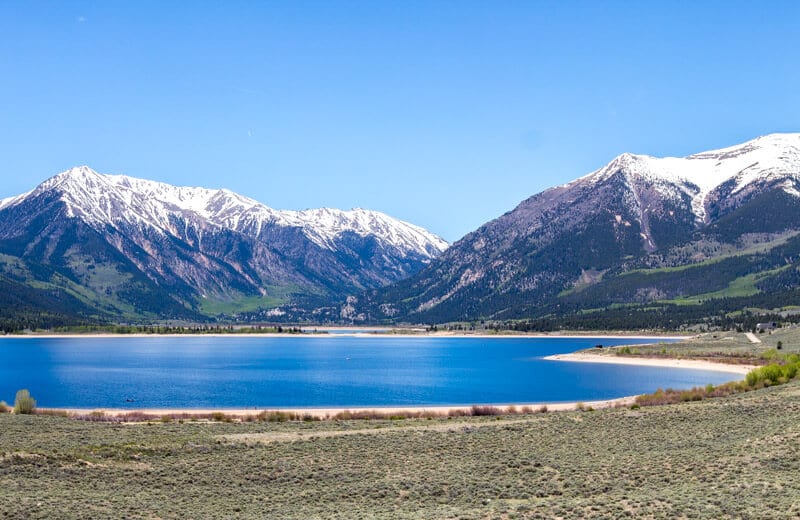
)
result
[(444, 114)]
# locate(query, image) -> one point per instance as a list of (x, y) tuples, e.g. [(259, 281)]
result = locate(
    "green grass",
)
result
[(733, 457), (214, 307), (746, 251), (740, 287), (100, 276)]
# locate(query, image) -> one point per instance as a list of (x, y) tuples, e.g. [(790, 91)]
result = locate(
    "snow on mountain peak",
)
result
[(322, 225), (769, 157), (112, 199), (768, 144)]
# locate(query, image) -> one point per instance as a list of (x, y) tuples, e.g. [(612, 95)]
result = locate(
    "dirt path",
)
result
[(752, 337)]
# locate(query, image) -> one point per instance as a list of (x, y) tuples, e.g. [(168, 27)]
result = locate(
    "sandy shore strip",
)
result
[(693, 364), (327, 413)]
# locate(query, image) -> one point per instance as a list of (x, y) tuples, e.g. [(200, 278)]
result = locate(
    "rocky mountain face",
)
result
[(126, 247), (638, 230)]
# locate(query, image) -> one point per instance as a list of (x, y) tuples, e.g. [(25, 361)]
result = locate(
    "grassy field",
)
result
[(734, 457), (719, 346)]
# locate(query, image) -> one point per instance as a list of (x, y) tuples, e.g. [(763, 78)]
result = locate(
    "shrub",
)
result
[(771, 355), (221, 417), (752, 377), (479, 411), (458, 412), (24, 403), (4, 408), (772, 373), (281, 416), (53, 413), (695, 394)]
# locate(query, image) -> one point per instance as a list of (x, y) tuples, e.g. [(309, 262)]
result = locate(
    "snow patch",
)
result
[(770, 157)]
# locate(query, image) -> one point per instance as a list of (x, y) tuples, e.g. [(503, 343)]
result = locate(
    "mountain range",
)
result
[(657, 237), (642, 241), (113, 247)]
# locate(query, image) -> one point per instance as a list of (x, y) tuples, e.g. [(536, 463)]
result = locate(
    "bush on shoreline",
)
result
[(775, 373), (24, 403), (779, 373)]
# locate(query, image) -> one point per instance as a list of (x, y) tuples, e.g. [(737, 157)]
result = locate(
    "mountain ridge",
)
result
[(186, 246), (641, 240), (619, 217), (221, 207)]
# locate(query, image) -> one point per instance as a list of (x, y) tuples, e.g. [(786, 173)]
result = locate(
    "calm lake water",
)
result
[(230, 372)]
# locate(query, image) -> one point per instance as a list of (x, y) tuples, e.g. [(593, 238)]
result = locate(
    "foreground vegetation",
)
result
[(731, 457)]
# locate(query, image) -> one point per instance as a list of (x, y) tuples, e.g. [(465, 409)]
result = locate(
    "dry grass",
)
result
[(731, 457), (724, 347)]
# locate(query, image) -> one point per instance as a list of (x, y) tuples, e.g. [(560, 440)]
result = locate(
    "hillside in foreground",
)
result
[(733, 457)]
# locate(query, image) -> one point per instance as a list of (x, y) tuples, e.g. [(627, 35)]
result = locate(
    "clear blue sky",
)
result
[(445, 114)]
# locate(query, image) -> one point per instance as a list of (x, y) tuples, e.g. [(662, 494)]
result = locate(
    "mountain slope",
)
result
[(637, 212), (136, 248)]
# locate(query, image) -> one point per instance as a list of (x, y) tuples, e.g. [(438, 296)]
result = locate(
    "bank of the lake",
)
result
[(691, 364), (336, 371)]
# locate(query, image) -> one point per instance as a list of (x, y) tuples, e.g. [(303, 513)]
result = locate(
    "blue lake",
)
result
[(302, 371)]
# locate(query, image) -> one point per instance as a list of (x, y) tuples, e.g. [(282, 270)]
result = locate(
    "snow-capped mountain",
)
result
[(203, 244), (633, 213), (114, 199), (708, 176)]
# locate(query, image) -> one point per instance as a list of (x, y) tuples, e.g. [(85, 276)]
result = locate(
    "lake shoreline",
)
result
[(441, 410), (509, 406), (331, 412), (693, 364)]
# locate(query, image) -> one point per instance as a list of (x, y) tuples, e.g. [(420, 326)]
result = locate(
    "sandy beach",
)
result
[(652, 362)]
